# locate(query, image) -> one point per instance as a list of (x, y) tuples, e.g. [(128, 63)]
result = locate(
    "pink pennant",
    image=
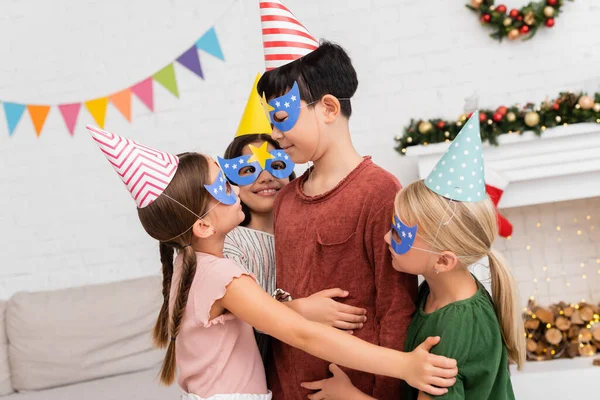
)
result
[(144, 92), (70, 112)]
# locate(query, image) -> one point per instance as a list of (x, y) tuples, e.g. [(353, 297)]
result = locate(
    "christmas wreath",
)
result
[(568, 108), (517, 23)]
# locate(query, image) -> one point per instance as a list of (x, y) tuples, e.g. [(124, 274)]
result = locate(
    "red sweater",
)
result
[(336, 240)]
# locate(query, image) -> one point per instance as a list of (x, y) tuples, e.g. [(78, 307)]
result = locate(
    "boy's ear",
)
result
[(446, 261), (202, 229), (331, 107)]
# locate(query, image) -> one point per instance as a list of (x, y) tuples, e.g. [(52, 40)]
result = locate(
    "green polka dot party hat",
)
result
[(459, 174)]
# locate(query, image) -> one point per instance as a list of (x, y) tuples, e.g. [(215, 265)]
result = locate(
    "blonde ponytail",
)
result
[(504, 294)]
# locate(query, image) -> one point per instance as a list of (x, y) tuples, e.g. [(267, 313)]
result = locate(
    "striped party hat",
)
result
[(145, 171), (285, 39)]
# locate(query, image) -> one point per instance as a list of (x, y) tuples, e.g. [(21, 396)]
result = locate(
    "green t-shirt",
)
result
[(470, 333)]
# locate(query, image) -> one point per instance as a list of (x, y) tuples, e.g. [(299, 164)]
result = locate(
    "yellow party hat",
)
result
[(254, 120)]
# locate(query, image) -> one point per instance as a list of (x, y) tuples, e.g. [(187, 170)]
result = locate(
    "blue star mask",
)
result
[(221, 190), (290, 103), (243, 170), (405, 234)]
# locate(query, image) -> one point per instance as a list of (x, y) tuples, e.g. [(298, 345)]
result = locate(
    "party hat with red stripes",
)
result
[(285, 39), (145, 171)]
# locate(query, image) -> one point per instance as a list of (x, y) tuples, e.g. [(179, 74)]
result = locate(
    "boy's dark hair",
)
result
[(326, 70), (235, 149)]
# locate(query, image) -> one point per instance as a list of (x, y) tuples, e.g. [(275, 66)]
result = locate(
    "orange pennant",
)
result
[(38, 116), (97, 108), (122, 100)]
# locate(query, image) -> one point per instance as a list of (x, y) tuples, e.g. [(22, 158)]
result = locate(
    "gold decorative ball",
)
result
[(425, 127), (476, 3), (597, 107), (549, 12), (447, 134), (586, 102), (532, 119), (511, 117), (529, 18), (513, 34), (409, 139), (507, 21), (558, 119), (462, 117)]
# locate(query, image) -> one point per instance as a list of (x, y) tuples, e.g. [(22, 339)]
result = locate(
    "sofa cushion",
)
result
[(5, 386), (77, 334), (133, 386)]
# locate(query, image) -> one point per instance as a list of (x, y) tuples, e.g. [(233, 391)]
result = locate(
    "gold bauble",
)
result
[(549, 12), (558, 119), (529, 18), (507, 21), (513, 34), (597, 107), (425, 127), (447, 134), (586, 102), (462, 117), (409, 139), (476, 3), (511, 117), (532, 119)]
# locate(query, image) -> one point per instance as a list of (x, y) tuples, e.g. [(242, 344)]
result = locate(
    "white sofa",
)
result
[(91, 342)]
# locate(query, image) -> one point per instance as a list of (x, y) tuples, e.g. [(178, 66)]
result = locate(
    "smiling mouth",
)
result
[(267, 192)]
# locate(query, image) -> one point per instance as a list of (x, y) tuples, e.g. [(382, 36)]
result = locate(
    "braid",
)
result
[(160, 333), (188, 270)]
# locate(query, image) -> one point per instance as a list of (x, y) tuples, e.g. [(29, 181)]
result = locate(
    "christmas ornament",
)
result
[(482, 117), (476, 3), (514, 13), (425, 127), (497, 117), (502, 110), (549, 22), (532, 119), (524, 29), (486, 18), (552, 2), (597, 107), (513, 34), (586, 102), (507, 22), (529, 18), (501, 9), (441, 125), (511, 117), (549, 11), (556, 106)]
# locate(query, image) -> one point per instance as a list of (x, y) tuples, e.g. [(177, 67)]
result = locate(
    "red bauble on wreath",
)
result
[(524, 29), (552, 2), (514, 13), (550, 22), (501, 9)]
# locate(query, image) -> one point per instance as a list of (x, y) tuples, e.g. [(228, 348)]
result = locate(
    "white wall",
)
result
[(66, 218)]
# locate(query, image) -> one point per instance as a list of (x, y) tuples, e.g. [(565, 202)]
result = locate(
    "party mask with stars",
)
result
[(288, 105), (403, 236), (244, 170), (221, 190)]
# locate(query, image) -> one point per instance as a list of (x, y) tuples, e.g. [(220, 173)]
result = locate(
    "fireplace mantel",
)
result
[(562, 164)]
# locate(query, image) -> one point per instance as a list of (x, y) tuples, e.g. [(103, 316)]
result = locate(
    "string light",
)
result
[(538, 225)]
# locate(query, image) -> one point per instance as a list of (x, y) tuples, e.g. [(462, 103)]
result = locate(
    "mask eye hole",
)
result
[(396, 236), (280, 116), (249, 170)]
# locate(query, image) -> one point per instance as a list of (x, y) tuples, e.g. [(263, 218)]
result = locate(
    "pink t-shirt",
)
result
[(219, 356)]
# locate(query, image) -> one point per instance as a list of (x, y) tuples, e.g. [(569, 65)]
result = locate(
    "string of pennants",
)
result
[(121, 100)]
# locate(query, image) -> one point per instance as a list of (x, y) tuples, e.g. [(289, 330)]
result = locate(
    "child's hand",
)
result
[(339, 387), (320, 307), (429, 370)]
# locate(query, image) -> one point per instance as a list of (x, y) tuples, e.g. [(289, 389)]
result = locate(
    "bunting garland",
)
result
[(121, 100)]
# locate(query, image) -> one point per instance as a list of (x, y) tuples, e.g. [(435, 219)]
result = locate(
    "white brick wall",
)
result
[(67, 220)]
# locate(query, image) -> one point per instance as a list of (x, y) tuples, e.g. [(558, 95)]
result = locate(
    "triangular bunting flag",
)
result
[(38, 116), (210, 44), (166, 77), (191, 61), (144, 91), (70, 112), (97, 108), (122, 101), (13, 113)]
